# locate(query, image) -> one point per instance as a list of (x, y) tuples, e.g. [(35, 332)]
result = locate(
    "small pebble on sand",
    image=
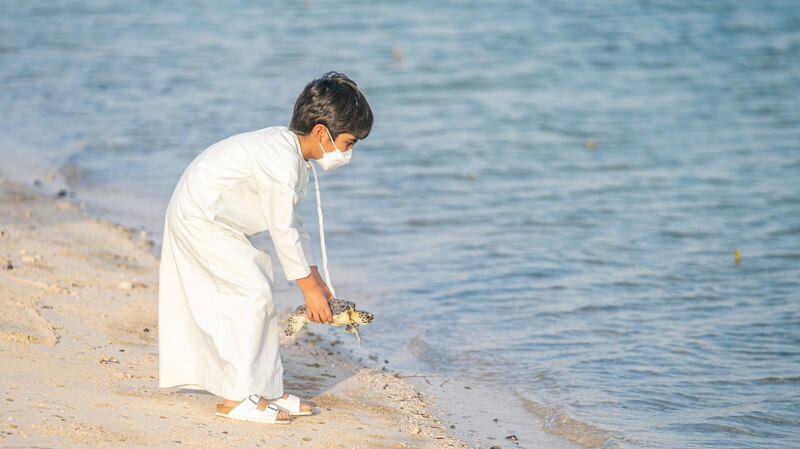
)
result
[(511, 438), (130, 285)]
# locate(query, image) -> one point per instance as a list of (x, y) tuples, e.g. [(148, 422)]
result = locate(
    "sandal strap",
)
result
[(290, 403), (255, 399), (250, 405)]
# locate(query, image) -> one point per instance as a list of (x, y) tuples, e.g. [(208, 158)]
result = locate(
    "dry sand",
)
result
[(79, 353)]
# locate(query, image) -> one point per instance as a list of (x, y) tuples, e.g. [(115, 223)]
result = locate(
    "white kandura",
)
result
[(218, 328)]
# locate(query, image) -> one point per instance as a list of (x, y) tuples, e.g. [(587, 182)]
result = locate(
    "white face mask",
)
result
[(335, 158)]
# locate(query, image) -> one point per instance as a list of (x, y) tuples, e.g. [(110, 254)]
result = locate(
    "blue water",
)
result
[(548, 205)]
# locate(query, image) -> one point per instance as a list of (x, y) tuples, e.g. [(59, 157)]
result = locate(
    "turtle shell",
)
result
[(339, 306), (300, 310)]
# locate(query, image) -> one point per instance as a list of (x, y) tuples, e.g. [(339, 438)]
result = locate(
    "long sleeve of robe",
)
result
[(278, 185), (218, 328)]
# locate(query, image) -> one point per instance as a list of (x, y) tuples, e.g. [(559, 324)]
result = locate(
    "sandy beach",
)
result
[(79, 346)]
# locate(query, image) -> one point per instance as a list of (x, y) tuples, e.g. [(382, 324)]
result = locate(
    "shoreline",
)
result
[(79, 340)]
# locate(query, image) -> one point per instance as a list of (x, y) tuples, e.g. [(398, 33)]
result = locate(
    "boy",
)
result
[(218, 328)]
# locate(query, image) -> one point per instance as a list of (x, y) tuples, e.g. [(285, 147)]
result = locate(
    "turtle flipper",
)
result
[(352, 328), (296, 322)]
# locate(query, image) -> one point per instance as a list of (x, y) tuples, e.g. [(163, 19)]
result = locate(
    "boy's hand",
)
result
[(316, 295)]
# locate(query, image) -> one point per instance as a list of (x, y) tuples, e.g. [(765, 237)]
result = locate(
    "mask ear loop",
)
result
[(322, 234), (333, 142)]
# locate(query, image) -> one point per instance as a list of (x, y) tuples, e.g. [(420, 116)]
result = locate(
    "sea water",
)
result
[(545, 217)]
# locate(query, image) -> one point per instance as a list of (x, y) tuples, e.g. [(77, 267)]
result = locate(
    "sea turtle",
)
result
[(344, 314)]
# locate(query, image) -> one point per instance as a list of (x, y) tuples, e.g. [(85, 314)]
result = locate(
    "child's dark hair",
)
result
[(334, 101)]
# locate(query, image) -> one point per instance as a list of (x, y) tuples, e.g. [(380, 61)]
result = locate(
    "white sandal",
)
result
[(291, 404), (248, 410)]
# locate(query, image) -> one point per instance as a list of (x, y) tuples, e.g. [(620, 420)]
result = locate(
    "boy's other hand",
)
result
[(316, 295)]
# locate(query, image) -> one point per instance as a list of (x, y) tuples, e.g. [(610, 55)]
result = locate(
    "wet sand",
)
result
[(79, 353)]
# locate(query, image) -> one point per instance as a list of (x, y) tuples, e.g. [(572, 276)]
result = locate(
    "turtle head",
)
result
[(361, 317)]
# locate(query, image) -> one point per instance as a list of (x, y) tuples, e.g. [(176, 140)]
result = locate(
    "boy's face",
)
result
[(344, 142), (318, 142)]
